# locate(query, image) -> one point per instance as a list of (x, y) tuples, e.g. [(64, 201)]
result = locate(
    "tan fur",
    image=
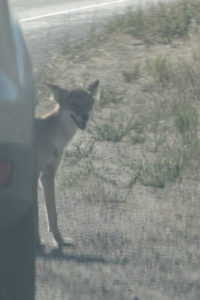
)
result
[(53, 132)]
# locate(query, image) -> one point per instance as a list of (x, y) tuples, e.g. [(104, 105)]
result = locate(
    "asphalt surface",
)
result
[(52, 28), (51, 35)]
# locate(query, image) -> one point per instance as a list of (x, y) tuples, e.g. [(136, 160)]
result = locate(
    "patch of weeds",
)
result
[(138, 127), (159, 68), (138, 139), (134, 179), (186, 121), (74, 155), (158, 142), (179, 159), (110, 133), (165, 169), (116, 23), (77, 178), (160, 173), (113, 132), (133, 75), (188, 76), (104, 101), (108, 98), (129, 21), (179, 217), (161, 22), (88, 169), (102, 192), (73, 180), (79, 153)]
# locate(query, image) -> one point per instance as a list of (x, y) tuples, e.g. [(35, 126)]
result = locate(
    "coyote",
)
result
[(52, 133)]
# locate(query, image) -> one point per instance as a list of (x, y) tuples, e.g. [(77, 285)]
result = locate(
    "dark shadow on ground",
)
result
[(82, 259)]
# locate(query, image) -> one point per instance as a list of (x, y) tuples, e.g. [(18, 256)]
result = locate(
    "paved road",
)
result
[(52, 26), (52, 33)]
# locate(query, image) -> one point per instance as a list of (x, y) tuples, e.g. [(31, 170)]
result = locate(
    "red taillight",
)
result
[(5, 172)]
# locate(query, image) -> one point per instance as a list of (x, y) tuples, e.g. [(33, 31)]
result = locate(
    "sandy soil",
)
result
[(134, 240)]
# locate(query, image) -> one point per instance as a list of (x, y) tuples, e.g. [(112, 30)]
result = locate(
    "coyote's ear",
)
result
[(94, 89), (57, 91)]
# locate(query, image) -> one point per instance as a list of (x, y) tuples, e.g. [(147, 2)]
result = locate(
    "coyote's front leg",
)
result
[(36, 215), (47, 180)]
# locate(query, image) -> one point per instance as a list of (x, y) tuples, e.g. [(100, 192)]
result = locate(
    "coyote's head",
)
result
[(78, 102)]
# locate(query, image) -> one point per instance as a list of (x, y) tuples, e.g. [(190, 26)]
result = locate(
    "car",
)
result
[(17, 177)]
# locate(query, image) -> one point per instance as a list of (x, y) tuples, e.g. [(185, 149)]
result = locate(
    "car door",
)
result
[(17, 187)]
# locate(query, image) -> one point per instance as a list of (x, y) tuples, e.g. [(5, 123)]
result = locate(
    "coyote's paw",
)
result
[(40, 248), (67, 242), (62, 242)]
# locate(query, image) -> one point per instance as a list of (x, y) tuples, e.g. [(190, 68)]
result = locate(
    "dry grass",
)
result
[(159, 23), (155, 103), (141, 149)]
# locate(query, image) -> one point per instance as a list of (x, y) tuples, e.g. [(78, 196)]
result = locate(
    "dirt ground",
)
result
[(135, 240)]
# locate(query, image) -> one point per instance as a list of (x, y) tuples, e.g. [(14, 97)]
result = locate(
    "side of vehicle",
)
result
[(17, 186)]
